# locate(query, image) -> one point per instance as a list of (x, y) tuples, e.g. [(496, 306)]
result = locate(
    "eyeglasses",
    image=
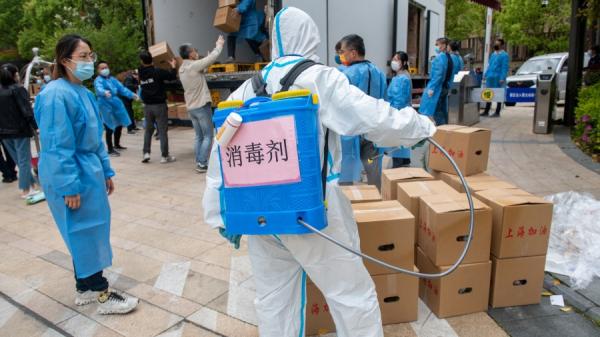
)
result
[(85, 56)]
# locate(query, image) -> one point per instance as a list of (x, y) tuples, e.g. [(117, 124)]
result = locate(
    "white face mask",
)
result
[(395, 66)]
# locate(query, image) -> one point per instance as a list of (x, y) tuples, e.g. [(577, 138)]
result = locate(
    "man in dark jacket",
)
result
[(154, 96), (131, 82)]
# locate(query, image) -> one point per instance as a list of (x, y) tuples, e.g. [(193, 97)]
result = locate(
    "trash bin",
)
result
[(545, 102), (461, 110)]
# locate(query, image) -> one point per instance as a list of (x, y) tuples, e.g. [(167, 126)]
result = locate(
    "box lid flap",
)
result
[(406, 173), (511, 197), (447, 203), (380, 210), (421, 188), (461, 128)]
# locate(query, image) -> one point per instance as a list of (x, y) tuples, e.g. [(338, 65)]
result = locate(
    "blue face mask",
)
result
[(47, 78), (338, 60), (105, 72), (83, 71), (437, 50)]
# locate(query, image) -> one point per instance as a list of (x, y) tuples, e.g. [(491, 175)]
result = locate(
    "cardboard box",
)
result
[(227, 20), (172, 110), (444, 229), (182, 112), (469, 147), (228, 3), (391, 178), (361, 193), (386, 231), (517, 281), (397, 295), (464, 291), (161, 55), (521, 222), (478, 182), (409, 195)]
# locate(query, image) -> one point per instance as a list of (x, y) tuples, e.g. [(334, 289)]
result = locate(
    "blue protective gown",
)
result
[(112, 109), (252, 19), (360, 74), (497, 70), (457, 65), (428, 106), (74, 161), (399, 94)]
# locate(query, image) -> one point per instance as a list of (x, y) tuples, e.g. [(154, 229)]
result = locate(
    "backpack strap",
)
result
[(288, 80), (259, 86)]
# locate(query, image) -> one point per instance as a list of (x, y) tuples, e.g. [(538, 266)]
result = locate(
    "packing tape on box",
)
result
[(356, 194), (379, 210)]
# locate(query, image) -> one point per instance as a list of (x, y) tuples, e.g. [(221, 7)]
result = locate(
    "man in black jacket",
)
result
[(152, 82), (130, 82)]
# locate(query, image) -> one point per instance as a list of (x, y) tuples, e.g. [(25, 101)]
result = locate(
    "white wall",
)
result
[(191, 21)]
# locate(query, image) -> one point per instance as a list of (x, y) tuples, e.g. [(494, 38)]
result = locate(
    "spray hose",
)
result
[(406, 271)]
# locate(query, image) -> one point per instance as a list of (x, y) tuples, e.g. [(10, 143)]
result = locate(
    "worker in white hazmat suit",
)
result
[(281, 263)]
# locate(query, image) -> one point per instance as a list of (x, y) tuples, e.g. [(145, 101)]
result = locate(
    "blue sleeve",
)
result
[(504, 67), (121, 89), (58, 141), (244, 6), (437, 73), (383, 89), (101, 150), (406, 92), (99, 87), (489, 72)]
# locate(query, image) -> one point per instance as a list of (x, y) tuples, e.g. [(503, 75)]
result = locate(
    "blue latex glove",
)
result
[(233, 238)]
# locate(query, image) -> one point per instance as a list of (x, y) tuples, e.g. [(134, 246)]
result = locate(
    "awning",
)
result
[(494, 4)]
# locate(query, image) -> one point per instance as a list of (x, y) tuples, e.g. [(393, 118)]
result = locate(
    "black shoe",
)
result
[(156, 137), (495, 115), (9, 180), (114, 153), (136, 129), (131, 132), (484, 114), (119, 147)]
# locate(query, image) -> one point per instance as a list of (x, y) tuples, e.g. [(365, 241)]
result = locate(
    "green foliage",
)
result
[(11, 13), (587, 113), (542, 30), (114, 28), (464, 19)]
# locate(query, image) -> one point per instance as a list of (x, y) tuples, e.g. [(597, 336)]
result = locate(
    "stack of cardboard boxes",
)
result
[(520, 221), (226, 19), (386, 233), (423, 224)]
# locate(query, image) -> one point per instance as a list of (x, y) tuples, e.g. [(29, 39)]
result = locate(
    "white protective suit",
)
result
[(281, 263)]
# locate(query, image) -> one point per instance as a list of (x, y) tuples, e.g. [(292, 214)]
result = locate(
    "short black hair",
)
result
[(354, 42), (146, 57), (443, 40), (185, 50), (7, 74), (501, 41), (338, 46), (455, 46), (100, 62)]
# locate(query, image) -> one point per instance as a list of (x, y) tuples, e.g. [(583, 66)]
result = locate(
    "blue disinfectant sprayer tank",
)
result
[(271, 168)]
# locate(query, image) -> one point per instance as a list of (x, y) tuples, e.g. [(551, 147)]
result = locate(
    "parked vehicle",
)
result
[(527, 74)]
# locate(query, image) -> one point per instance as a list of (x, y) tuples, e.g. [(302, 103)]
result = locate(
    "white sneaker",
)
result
[(86, 297), (146, 158), (110, 302), (165, 160)]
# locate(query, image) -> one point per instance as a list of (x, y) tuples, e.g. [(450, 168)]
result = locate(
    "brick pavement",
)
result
[(190, 282)]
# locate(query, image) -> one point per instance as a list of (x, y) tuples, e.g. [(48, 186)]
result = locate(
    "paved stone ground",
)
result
[(190, 282)]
